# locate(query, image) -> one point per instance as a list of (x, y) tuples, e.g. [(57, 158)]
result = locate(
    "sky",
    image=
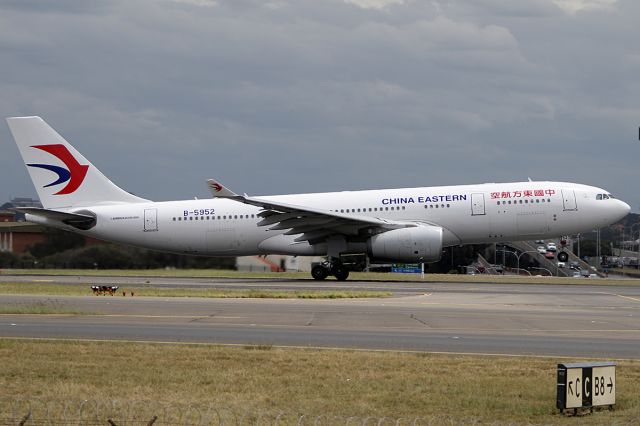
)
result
[(275, 97)]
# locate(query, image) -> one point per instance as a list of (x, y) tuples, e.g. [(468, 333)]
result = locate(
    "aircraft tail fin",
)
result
[(62, 176)]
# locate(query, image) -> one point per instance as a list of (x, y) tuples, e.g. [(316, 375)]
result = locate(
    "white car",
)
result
[(542, 250), (552, 247)]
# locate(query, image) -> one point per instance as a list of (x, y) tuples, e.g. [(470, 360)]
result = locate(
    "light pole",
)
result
[(598, 260), (528, 251), (542, 269), (503, 250), (638, 258), (518, 256)]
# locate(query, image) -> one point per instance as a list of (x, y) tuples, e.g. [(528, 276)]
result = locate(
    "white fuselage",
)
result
[(468, 214)]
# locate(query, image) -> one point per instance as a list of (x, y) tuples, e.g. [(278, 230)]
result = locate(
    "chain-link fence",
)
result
[(34, 411)]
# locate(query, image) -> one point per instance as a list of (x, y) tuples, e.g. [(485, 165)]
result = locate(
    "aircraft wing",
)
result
[(314, 224)]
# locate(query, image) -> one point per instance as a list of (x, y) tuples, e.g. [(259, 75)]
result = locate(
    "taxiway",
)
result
[(512, 319)]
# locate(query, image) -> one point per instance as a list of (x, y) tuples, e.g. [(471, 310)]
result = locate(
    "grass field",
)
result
[(354, 276), (84, 289), (45, 307), (451, 388)]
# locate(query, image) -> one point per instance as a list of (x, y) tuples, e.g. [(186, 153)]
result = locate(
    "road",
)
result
[(513, 319)]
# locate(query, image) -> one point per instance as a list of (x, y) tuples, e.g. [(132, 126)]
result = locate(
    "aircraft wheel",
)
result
[(319, 272), (340, 272), (563, 256)]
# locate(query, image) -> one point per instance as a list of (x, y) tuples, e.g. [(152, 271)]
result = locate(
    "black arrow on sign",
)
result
[(610, 385), (570, 389)]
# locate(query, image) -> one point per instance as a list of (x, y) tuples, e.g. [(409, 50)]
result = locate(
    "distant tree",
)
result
[(589, 248), (116, 256), (56, 241)]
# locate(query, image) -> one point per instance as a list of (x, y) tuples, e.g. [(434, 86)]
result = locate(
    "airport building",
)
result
[(276, 263), (16, 235)]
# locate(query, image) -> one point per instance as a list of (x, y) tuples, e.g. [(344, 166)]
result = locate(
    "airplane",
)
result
[(407, 225)]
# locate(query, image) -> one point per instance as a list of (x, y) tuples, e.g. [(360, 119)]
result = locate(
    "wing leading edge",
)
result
[(313, 224)]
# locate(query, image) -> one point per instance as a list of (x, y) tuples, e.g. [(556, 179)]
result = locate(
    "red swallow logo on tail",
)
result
[(74, 173)]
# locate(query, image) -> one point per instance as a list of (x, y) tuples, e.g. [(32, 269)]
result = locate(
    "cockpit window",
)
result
[(604, 196), (599, 197)]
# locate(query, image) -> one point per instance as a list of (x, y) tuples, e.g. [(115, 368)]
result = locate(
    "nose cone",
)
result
[(622, 209)]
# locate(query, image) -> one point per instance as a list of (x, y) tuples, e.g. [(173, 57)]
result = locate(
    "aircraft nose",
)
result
[(624, 208)]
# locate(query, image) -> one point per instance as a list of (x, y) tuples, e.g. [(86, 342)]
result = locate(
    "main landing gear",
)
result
[(323, 270)]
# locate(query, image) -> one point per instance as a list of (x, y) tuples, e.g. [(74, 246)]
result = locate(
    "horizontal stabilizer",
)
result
[(77, 220)]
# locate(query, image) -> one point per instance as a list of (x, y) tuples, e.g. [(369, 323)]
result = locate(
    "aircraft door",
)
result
[(569, 200), (150, 220), (477, 205)]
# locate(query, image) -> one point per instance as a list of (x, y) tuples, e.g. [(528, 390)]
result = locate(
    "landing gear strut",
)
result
[(326, 268)]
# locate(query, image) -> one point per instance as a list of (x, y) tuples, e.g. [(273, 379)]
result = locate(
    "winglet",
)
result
[(219, 190)]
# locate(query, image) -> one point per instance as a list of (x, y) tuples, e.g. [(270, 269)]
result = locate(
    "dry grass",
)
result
[(357, 276), (338, 382), (52, 289), (44, 307)]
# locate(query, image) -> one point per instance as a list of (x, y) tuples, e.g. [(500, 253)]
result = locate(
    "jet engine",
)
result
[(416, 244)]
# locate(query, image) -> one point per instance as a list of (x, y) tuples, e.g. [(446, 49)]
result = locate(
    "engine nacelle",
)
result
[(418, 244)]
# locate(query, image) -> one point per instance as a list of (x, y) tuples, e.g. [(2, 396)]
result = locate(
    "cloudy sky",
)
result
[(286, 96)]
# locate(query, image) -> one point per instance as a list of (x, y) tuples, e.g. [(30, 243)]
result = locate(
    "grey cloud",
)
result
[(325, 95)]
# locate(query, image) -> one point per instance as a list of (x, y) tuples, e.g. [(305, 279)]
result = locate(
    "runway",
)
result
[(512, 319)]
